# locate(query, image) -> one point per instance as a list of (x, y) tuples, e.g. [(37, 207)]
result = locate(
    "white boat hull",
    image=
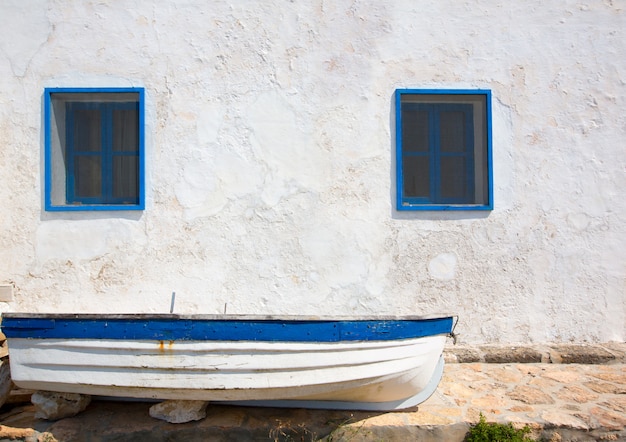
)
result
[(366, 375)]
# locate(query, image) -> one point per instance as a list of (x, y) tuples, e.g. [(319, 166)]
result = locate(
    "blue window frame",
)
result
[(94, 143), (443, 150)]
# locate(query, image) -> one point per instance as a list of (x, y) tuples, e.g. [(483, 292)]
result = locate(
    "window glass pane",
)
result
[(452, 131), (125, 177), (125, 130), (415, 132), (87, 133), (416, 176), (87, 176), (454, 179)]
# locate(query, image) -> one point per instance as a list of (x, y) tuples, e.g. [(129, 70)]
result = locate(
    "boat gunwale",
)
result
[(175, 327), (224, 317)]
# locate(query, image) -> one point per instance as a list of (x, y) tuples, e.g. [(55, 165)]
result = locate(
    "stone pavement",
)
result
[(563, 393)]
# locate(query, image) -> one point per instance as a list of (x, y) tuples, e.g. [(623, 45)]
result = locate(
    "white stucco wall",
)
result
[(270, 162)]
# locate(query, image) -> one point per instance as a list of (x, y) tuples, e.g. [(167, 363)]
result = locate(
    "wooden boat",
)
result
[(382, 363)]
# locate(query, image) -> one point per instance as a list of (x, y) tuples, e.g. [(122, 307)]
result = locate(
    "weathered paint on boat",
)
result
[(362, 363)]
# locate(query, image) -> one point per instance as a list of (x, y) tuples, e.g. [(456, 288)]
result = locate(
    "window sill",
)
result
[(94, 207), (442, 207)]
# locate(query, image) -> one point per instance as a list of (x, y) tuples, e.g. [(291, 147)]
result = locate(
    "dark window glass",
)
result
[(125, 183), (103, 152), (415, 131), (454, 178), (87, 176), (125, 130), (416, 177), (87, 130), (452, 131)]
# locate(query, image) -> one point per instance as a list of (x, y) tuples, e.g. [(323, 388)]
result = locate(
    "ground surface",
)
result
[(575, 393)]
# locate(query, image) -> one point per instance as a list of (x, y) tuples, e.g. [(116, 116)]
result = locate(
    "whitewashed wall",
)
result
[(271, 169)]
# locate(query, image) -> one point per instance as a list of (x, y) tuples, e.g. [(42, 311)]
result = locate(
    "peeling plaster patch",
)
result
[(337, 128), (335, 256), (210, 181), (199, 191), (208, 123), (88, 239), (542, 264), (377, 275), (443, 267), (18, 19), (284, 146), (275, 190), (70, 240), (578, 221), (236, 175)]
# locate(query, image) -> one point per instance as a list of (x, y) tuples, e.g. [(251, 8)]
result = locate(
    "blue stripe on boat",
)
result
[(144, 327)]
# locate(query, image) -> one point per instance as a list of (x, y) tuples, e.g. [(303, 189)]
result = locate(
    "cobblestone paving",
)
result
[(544, 388), (580, 398)]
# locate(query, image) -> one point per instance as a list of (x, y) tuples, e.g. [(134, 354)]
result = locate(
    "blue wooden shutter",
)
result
[(102, 153), (124, 159), (84, 153), (437, 145), (454, 154)]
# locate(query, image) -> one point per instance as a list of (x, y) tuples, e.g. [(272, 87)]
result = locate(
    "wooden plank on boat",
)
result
[(169, 327)]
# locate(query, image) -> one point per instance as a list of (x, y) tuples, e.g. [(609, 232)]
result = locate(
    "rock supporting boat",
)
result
[(380, 363)]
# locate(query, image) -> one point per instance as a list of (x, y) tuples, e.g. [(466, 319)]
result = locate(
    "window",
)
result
[(94, 149), (443, 150)]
